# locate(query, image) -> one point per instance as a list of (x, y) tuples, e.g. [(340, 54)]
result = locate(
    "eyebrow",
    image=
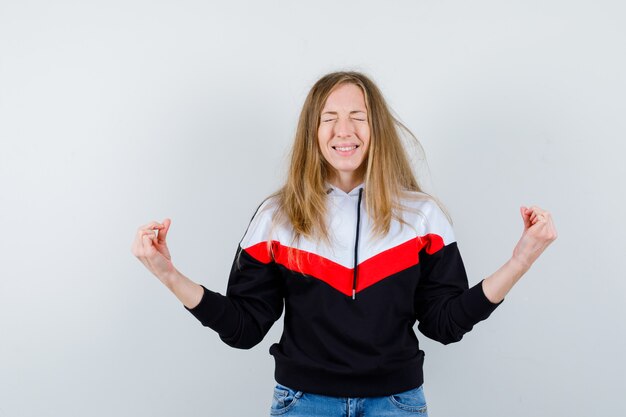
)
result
[(352, 112)]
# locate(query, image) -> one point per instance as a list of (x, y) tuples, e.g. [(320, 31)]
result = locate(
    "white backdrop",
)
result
[(116, 113)]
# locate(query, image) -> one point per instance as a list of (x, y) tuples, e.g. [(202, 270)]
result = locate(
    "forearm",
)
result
[(188, 292), (539, 232), (497, 285)]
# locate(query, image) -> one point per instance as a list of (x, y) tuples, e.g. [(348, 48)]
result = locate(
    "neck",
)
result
[(345, 182)]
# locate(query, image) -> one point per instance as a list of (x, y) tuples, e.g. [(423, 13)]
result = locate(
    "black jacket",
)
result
[(349, 307)]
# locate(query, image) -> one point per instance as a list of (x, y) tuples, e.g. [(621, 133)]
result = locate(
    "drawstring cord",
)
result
[(356, 243)]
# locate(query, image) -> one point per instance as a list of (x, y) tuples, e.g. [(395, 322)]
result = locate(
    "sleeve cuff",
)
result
[(476, 306), (215, 311), (487, 300)]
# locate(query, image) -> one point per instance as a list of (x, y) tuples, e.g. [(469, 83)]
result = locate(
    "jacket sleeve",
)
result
[(254, 296), (445, 306)]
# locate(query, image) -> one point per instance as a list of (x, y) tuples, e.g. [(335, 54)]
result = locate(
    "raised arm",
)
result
[(150, 247), (539, 232), (254, 297), (445, 306)]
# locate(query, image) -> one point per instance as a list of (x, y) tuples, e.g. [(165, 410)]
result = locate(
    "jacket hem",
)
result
[(323, 382)]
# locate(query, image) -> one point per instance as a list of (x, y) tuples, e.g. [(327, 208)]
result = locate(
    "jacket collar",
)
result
[(332, 190)]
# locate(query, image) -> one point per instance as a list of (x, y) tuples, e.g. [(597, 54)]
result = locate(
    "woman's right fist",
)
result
[(151, 249)]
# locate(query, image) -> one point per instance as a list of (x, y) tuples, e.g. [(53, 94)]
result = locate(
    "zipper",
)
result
[(356, 244)]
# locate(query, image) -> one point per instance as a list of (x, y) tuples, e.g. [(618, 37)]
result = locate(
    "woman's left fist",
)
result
[(539, 232)]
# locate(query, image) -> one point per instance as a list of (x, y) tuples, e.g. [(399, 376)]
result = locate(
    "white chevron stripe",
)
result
[(423, 216)]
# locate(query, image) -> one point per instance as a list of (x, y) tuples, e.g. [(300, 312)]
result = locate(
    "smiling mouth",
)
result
[(345, 148)]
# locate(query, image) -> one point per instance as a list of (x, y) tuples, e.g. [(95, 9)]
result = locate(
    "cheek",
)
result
[(323, 137), (323, 132), (321, 143), (364, 134)]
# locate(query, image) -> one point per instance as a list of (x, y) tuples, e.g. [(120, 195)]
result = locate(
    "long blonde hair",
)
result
[(302, 199)]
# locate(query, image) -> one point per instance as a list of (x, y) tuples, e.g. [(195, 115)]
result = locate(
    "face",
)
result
[(344, 132)]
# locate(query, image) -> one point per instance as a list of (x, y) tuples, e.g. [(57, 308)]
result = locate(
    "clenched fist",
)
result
[(539, 232), (150, 247)]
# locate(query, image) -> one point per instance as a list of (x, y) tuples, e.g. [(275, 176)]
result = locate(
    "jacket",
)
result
[(350, 307)]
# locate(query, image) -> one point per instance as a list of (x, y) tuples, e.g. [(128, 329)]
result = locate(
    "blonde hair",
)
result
[(387, 173)]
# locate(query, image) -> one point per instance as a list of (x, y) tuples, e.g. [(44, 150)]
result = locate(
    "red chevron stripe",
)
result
[(371, 271)]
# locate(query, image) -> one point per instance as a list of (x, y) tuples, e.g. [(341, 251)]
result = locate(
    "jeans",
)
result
[(291, 403)]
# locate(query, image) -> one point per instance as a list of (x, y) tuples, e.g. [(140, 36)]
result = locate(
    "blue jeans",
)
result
[(291, 403)]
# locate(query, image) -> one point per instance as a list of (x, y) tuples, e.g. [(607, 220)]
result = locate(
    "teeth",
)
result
[(345, 148)]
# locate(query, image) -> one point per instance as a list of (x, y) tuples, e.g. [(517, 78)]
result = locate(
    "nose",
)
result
[(344, 127)]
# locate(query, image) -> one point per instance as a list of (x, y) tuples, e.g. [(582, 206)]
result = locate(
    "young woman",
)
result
[(355, 252)]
